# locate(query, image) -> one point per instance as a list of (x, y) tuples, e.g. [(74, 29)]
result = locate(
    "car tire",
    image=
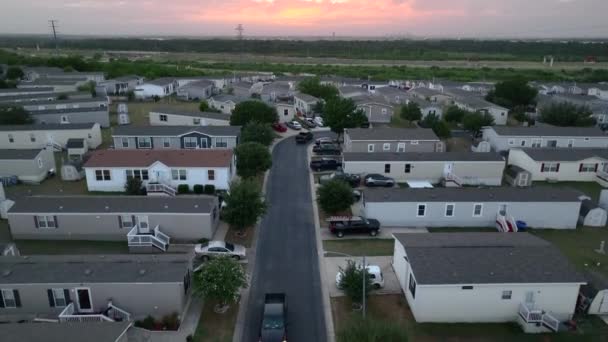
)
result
[(236, 257), (205, 258), (373, 233), (390, 185), (340, 234)]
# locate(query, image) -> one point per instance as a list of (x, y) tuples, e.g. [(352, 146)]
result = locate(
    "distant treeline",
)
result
[(498, 50)]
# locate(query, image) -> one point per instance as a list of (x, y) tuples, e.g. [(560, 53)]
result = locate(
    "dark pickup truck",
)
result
[(304, 137), (325, 164), (274, 318), (341, 226), (327, 149)]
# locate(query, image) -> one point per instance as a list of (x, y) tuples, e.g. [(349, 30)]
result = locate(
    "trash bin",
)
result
[(521, 226)]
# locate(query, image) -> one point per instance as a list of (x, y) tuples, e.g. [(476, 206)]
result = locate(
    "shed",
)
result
[(592, 215), (593, 297), (516, 176), (72, 171)]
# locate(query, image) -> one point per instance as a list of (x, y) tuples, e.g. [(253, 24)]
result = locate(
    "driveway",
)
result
[(391, 284), (286, 258)]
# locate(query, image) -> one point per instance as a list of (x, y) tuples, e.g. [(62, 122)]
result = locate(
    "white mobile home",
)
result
[(472, 207), (156, 88), (171, 117), (225, 103), (43, 135), (544, 136), (30, 166), (391, 140), (476, 104), (304, 103), (100, 115), (486, 277)]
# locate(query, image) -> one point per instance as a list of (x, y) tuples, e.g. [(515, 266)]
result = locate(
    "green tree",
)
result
[(88, 87), (134, 186), (244, 204), (351, 281), (342, 113), (411, 112), (220, 279), (252, 159), (203, 106), (257, 132), (312, 86), (567, 114), (357, 329), (430, 120), (14, 73), (442, 129), (335, 196), (252, 110), (512, 93), (454, 114), (474, 121), (62, 97), (14, 116)]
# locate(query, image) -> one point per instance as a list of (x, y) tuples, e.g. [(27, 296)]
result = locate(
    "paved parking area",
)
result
[(391, 284), (385, 233)]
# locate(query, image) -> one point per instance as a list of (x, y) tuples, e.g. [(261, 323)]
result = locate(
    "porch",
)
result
[(139, 237), (535, 320), (111, 313), (156, 189)]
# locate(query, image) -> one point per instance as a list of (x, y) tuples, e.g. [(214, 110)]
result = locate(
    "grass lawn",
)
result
[(214, 327), (33, 247), (592, 189), (360, 247), (394, 308)]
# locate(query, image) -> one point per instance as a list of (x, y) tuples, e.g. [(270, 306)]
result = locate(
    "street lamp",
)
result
[(364, 278)]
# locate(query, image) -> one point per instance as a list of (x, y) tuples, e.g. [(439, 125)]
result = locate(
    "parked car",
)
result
[(326, 140), (274, 318), (294, 125), (304, 137), (279, 127), (352, 179), (375, 274), (319, 121), (341, 226), (219, 248), (374, 179), (325, 164), (309, 123), (327, 149)]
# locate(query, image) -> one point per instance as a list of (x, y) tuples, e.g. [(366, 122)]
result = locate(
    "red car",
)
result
[(279, 127)]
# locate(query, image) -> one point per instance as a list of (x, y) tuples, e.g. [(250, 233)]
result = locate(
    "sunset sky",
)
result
[(454, 18)]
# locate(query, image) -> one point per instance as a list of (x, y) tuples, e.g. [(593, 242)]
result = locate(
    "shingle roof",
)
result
[(162, 81), (548, 131), (53, 81), (171, 131), (68, 111), (59, 102), (422, 103), (485, 258), (61, 332), (75, 143), (422, 156), (18, 154), (114, 204), (83, 269), (427, 92), (493, 194), (173, 158), (199, 84), (18, 90), (565, 154), (390, 134), (209, 115), (46, 127), (228, 97), (33, 97), (366, 98), (476, 102), (306, 97)]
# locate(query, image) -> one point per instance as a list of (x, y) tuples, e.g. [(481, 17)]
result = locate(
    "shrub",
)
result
[(352, 281), (335, 196), (134, 187), (183, 189), (209, 189), (198, 189), (171, 321), (147, 323)]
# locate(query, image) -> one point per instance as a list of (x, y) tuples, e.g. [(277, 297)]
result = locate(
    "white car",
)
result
[(375, 274), (219, 248), (319, 121), (294, 125)]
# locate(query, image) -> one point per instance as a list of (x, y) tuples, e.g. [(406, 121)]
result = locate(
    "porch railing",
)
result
[(531, 315), (602, 175), (156, 238), (161, 188), (117, 314), (112, 314)]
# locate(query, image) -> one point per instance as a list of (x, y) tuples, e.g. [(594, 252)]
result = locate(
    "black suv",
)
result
[(304, 137), (341, 226), (325, 164)]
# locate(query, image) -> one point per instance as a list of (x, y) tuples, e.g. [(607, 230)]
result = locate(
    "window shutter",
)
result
[(49, 293), (17, 298), (66, 294), (542, 167), (557, 169), (56, 222), (580, 167), (596, 165), (119, 221), (36, 221), (1, 300)]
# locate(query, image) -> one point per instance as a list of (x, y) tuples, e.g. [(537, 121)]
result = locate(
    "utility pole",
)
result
[(53, 24), (239, 36)]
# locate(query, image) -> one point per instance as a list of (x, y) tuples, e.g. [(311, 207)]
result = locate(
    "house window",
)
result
[(57, 298), (414, 142), (421, 210), (32, 137), (285, 112), (166, 142), (46, 221), (587, 168), (570, 143), (124, 142), (449, 210), (587, 139), (138, 174), (221, 142), (522, 143), (507, 294), (536, 142), (412, 286), (10, 298), (190, 142), (40, 165), (467, 287), (386, 147), (387, 168), (511, 142), (126, 221), (162, 117), (549, 167), (11, 138), (178, 174), (370, 148), (211, 174), (196, 121), (144, 142), (102, 175), (408, 168), (64, 119), (477, 209), (401, 147)]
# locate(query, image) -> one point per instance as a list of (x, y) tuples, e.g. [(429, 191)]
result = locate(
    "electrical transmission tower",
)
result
[(53, 25), (239, 31)]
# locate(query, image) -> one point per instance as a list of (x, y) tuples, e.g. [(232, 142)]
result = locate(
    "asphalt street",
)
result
[(286, 259)]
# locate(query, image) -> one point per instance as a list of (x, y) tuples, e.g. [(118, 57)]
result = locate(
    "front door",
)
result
[(85, 303), (143, 224), (530, 296), (523, 179), (448, 168), (502, 209)]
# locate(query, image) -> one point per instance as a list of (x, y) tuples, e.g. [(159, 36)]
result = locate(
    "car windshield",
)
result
[(229, 246), (273, 322)]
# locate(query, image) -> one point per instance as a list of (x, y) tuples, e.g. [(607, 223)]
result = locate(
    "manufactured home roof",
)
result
[(172, 158), (548, 131), (62, 332), (228, 97), (18, 154), (35, 90), (68, 101), (52, 81), (161, 81), (46, 127), (421, 156), (476, 102), (493, 194), (83, 269), (424, 91), (171, 131), (208, 115), (390, 134), (485, 258), (68, 111), (565, 154), (114, 204), (306, 97)]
